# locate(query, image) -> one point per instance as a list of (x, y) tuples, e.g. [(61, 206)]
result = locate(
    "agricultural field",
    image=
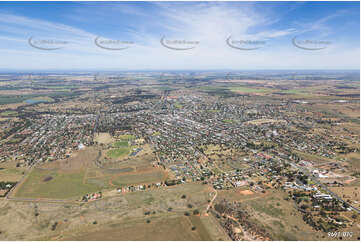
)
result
[(31, 98), (4, 99), (39, 100), (8, 113), (244, 89)]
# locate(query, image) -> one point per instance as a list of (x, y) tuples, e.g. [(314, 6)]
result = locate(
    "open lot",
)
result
[(134, 178), (353, 160), (62, 179), (348, 193), (54, 184), (118, 217), (10, 174), (280, 218), (104, 138), (177, 228)]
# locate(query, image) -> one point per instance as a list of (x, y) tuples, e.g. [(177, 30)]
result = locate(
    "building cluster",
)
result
[(182, 130), (47, 138)]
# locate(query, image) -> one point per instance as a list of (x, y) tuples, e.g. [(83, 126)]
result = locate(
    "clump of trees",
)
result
[(53, 227)]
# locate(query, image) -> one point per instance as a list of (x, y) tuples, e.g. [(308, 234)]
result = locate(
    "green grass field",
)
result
[(61, 186), (120, 143), (126, 137), (118, 152), (121, 146)]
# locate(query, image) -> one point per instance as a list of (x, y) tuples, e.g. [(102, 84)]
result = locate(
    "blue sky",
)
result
[(139, 27)]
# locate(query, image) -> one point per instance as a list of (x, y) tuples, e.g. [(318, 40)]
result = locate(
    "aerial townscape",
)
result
[(179, 121), (189, 155)]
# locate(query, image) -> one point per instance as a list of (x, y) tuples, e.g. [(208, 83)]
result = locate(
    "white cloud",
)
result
[(210, 24)]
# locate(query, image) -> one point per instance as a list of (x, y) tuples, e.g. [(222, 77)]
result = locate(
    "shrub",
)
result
[(196, 212)]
